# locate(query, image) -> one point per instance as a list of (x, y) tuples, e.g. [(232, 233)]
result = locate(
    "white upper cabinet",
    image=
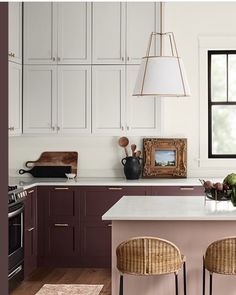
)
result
[(108, 102), (141, 20), (15, 99), (74, 99), (74, 37), (108, 33), (121, 31), (40, 99), (143, 113), (15, 32), (40, 34), (57, 33)]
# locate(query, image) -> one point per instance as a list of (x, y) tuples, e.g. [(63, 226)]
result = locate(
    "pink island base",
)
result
[(192, 237)]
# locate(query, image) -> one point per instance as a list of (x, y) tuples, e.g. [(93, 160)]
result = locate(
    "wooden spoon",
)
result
[(133, 148), (138, 154), (123, 142)]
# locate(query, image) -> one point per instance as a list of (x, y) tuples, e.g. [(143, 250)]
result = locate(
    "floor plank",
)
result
[(43, 276)]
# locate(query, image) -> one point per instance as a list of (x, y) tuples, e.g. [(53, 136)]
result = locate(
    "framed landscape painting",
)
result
[(165, 157)]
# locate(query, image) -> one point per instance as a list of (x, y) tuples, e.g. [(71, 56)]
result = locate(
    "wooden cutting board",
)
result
[(56, 159)]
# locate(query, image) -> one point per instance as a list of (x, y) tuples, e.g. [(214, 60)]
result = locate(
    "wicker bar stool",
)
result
[(149, 256), (220, 258)]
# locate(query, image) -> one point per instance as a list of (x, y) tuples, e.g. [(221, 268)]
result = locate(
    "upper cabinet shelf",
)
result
[(63, 37), (121, 37)]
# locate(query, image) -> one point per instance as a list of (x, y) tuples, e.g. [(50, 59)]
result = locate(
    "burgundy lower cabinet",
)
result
[(95, 234), (30, 232), (59, 226), (177, 190)]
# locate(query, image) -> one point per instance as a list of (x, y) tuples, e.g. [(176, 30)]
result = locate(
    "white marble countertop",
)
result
[(170, 208), (28, 182)]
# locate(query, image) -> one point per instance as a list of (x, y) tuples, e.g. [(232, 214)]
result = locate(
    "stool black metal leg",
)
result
[(203, 277), (176, 284), (210, 284), (184, 277), (121, 285)]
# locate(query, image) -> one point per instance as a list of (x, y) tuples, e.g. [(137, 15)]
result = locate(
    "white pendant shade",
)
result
[(161, 76)]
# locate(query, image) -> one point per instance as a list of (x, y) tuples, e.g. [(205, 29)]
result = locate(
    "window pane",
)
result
[(232, 76), (218, 77), (223, 129)]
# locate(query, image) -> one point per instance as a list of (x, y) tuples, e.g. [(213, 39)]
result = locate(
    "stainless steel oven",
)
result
[(16, 237)]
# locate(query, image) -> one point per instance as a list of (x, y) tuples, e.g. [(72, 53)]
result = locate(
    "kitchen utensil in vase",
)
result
[(123, 142), (138, 154), (133, 148)]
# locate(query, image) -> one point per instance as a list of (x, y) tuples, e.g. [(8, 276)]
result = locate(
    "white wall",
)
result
[(100, 156)]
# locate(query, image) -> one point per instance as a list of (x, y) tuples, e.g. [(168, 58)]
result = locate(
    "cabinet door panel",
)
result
[(15, 98), (143, 113), (61, 203), (60, 240), (108, 99), (141, 19), (30, 250), (40, 99), (108, 33), (74, 99), (96, 244), (74, 38), (40, 32), (15, 31)]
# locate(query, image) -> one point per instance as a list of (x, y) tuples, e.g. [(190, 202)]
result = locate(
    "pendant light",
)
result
[(162, 75)]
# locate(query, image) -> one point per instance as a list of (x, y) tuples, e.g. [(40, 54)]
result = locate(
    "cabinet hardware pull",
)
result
[(53, 59), (127, 127), (13, 54), (59, 59), (61, 224), (53, 128), (115, 188), (109, 225), (11, 128), (61, 188), (122, 59), (122, 128), (187, 188), (30, 192), (30, 229), (58, 128), (127, 58)]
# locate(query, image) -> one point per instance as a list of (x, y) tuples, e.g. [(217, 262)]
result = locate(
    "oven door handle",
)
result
[(14, 272), (16, 212)]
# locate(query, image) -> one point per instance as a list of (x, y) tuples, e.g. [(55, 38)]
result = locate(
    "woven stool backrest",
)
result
[(148, 256), (220, 256)]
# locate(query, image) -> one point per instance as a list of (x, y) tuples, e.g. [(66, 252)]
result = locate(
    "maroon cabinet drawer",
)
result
[(177, 191)]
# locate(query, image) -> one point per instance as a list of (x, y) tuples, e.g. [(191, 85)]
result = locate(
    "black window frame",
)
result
[(211, 103)]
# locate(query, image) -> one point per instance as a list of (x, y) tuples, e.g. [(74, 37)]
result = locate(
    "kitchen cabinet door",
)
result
[(108, 100), (142, 18), (30, 237), (40, 99), (15, 32), (74, 33), (40, 33), (95, 234), (143, 114), (74, 99), (15, 99), (108, 33)]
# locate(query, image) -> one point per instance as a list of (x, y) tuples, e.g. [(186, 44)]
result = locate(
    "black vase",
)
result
[(132, 167)]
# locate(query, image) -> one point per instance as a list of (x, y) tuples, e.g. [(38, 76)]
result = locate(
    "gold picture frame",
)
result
[(165, 157)]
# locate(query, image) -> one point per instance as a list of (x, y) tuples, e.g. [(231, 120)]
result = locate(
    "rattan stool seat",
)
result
[(149, 256)]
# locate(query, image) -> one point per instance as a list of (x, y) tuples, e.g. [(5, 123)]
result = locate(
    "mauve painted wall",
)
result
[(3, 147)]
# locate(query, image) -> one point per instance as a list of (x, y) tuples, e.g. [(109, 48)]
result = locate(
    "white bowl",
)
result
[(70, 175)]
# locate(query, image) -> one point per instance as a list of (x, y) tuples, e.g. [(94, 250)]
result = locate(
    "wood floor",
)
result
[(65, 276)]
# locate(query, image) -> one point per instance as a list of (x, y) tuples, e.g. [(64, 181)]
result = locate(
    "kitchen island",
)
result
[(192, 223)]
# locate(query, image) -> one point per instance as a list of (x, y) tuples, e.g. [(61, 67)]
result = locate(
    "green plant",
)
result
[(233, 195)]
